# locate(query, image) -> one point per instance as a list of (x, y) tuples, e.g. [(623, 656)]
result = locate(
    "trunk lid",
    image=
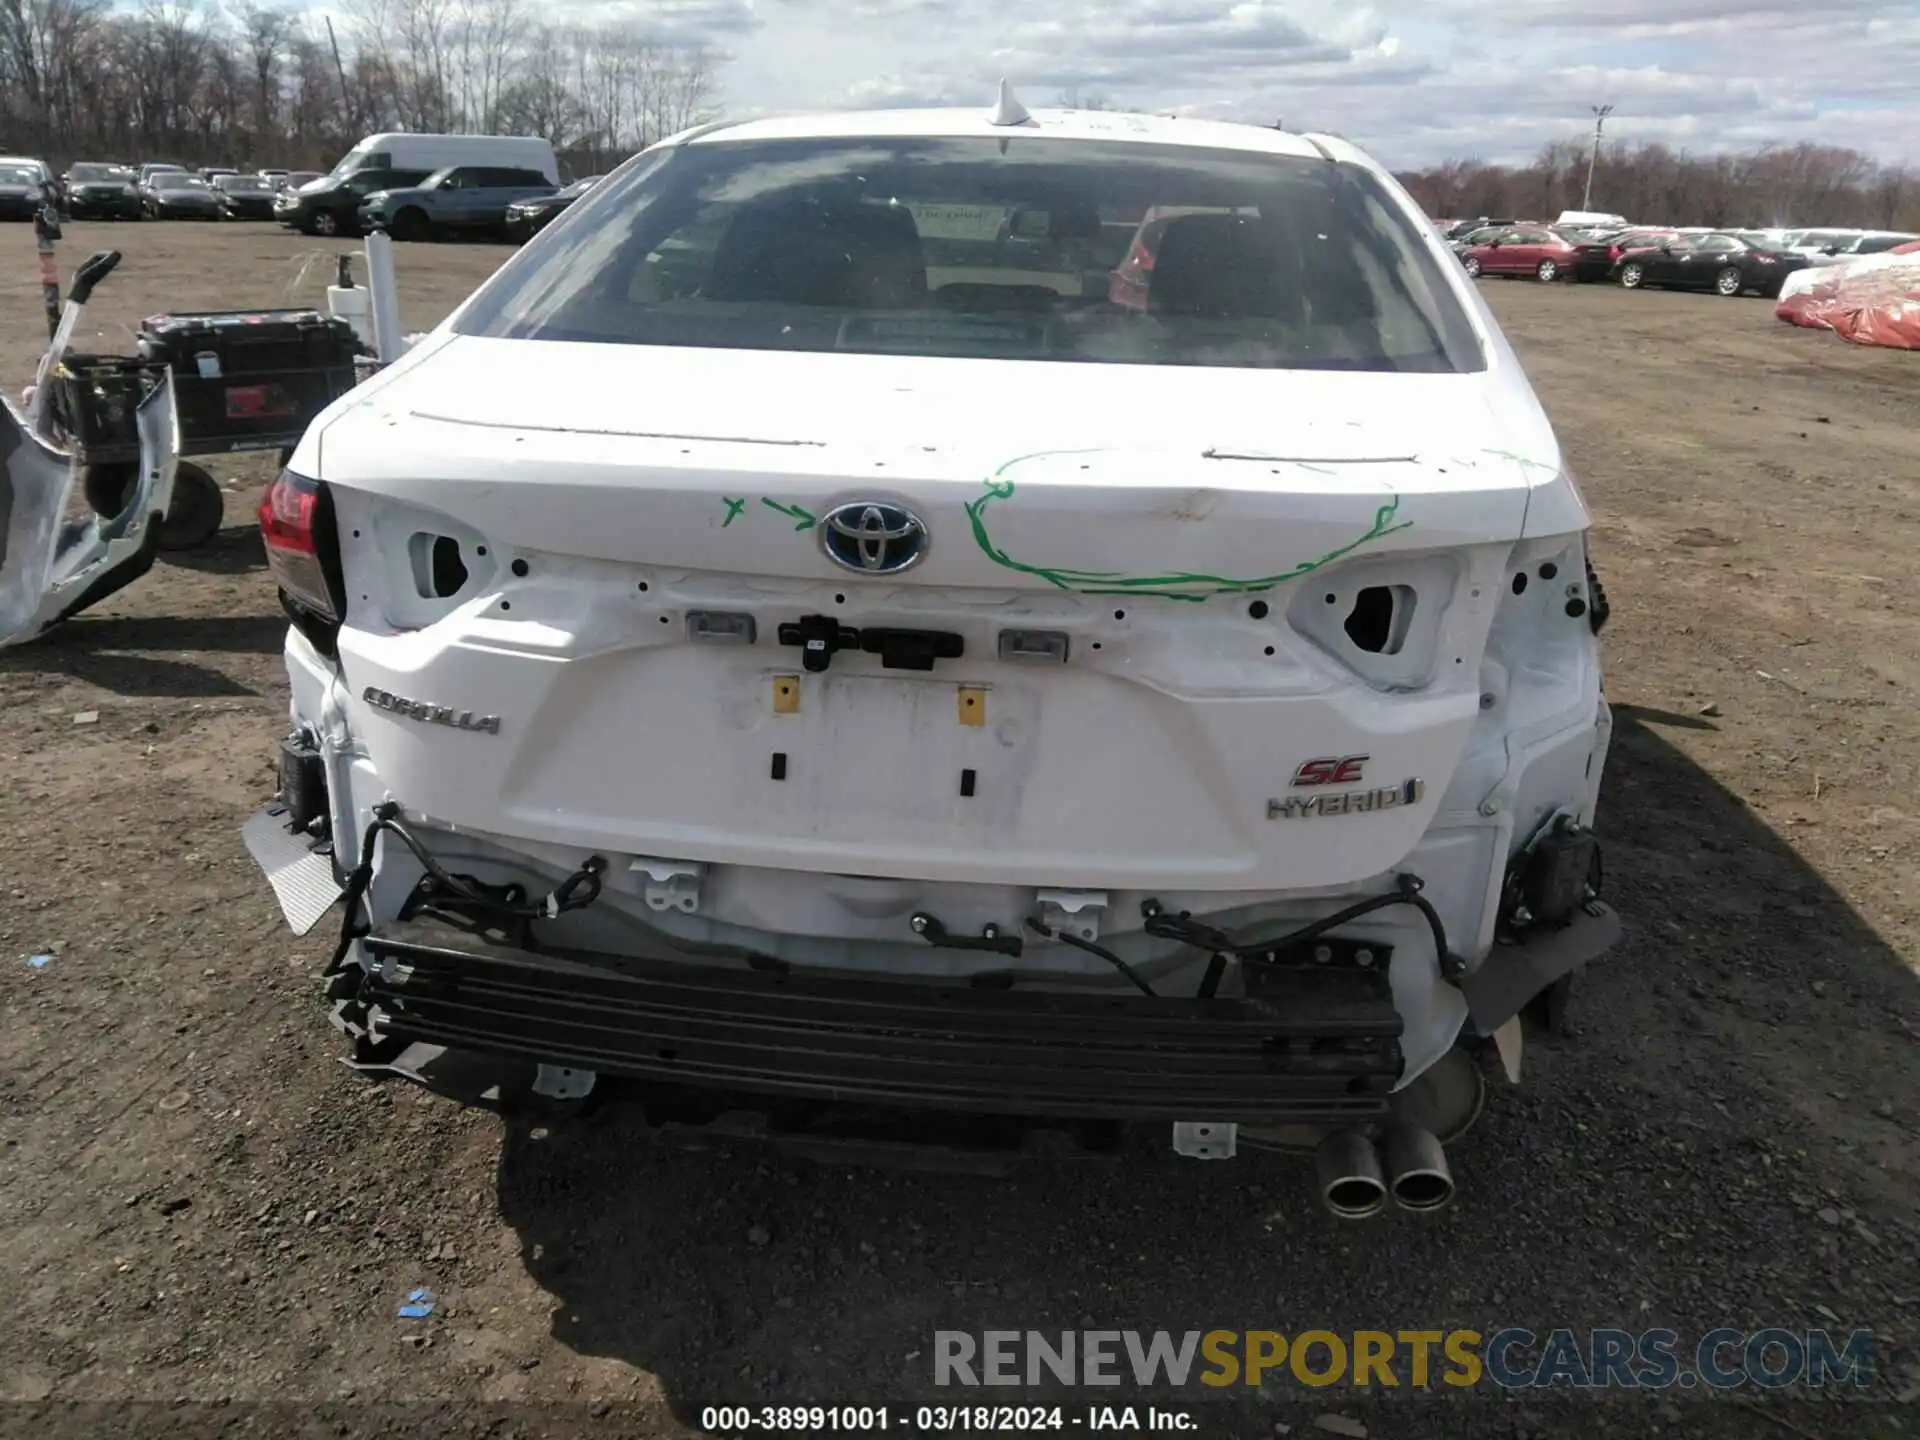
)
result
[(1027, 476), (1200, 538)]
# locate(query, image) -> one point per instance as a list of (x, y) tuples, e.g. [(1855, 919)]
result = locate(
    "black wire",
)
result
[(1105, 954), (1205, 937), (565, 896), (577, 891)]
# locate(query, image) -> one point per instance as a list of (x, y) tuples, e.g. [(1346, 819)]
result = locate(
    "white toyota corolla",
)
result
[(1073, 616)]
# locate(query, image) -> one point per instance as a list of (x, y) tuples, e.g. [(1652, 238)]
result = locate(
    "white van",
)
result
[(433, 152)]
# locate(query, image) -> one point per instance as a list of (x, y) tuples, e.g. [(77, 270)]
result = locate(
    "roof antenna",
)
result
[(1007, 110)]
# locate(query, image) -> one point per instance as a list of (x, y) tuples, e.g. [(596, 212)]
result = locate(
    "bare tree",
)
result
[(1890, 189), (265, 35), (488, 39), (1803, 184)]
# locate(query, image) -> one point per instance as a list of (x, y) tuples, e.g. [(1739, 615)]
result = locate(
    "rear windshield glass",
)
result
[(1020, 248)]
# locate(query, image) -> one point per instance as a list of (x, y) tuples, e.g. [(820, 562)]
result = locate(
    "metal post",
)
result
[(1600, 114), (46, 231)]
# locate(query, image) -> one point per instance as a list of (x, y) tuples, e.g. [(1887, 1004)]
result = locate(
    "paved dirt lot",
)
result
[(201, 1211)]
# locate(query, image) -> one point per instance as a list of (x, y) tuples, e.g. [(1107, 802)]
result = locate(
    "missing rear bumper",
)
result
[(1324, 1051)]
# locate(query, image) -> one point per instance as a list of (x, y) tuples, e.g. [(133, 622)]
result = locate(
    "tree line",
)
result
[(1652, 183), (252, 85)]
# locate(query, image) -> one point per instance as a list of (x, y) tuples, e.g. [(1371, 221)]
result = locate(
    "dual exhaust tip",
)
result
[(1408, 1166)]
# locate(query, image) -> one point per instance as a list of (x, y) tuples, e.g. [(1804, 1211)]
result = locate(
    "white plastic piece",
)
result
[(386, 297), (1509, 1040), (1075, 911), (671, 884), (1007, 109), (1205, 1139), (561, 1082), (354, 304)]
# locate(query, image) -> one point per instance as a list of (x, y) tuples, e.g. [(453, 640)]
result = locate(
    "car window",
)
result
[(578, 188), (368, 181), (992, 247), (1522, 236), (243, 182), (18, 175), (516, 179), (1879, 244), (174, 180), (1716, 244)]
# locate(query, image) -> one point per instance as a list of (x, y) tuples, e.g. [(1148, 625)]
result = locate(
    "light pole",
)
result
[(1600, 114)]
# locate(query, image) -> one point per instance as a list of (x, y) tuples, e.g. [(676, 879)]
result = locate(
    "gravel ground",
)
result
[(208, 1222)]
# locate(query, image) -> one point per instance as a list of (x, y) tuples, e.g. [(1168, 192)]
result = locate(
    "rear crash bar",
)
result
[(1321, 1048)]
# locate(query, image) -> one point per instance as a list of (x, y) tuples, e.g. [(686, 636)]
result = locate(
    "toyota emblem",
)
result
[(871, 537)]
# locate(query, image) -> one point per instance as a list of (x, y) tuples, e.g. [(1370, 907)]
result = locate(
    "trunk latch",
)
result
[(912, 649), (820, 636)]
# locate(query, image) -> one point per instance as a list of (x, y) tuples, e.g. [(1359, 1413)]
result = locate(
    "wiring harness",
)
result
[(1184, 928), (506, 904), (1220, 945)]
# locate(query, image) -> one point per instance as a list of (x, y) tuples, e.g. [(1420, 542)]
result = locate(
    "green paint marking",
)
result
[(734, 507), (802, 520), (1179, 585), (1525, 462)]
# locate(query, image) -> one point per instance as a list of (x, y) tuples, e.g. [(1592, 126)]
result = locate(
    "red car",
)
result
[(1637, 239), (1129, 281), (1537, 251)]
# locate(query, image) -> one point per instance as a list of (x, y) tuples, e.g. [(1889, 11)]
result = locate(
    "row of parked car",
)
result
[(1726, 262), (157, 190), (468, 201)]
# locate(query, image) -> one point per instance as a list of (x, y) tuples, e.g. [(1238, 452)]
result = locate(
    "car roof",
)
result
[(975, 123)]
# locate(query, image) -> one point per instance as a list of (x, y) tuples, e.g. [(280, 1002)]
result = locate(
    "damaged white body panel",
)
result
[(976, 671), (53, 563)]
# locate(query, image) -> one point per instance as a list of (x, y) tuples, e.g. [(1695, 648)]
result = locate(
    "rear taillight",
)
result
[(296, 523)]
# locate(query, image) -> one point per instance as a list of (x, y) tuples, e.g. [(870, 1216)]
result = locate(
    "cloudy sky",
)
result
[(1414, 80)]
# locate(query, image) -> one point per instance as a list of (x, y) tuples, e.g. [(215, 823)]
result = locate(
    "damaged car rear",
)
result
[(792, 642)]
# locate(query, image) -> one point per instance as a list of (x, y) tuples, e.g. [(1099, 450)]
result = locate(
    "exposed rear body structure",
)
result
[(794, 635)]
